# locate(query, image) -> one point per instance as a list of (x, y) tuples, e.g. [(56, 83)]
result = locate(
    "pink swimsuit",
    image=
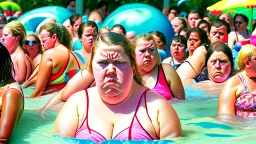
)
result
[(134, 132), (162, 87), (245, 104)]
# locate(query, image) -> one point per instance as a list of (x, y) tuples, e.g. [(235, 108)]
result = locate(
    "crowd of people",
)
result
[(117, 85)]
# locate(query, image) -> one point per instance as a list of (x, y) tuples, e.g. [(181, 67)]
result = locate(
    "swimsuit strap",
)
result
[(242, 79), (190, 65), (87, 111), (236, 36), (76, 59), (130, 128), (146, 106), (62, 70)]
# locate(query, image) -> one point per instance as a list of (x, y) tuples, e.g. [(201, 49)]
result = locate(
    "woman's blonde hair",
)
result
[(246, 52), (18, 29)]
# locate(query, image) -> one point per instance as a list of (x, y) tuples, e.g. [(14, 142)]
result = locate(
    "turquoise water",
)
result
[(197, 114)]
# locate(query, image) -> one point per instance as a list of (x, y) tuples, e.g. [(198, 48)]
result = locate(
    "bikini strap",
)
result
[(76, 59), (190, 65), (236, 36), (242, 79), (146, 106), (135, 113)]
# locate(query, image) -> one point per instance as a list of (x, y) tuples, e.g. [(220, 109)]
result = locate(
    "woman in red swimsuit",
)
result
[(119, 106), (56, 62)]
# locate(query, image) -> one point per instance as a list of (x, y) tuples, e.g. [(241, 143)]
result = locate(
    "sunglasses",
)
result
[(31, 43), (239, 22)]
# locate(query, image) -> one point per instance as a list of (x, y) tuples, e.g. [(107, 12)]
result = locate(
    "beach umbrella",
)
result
[(235, 6)]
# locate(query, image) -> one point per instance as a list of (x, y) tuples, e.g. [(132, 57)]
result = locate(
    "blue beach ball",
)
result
[(141, 19)]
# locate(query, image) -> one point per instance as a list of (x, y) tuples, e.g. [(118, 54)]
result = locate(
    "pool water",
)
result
[(198, 115)]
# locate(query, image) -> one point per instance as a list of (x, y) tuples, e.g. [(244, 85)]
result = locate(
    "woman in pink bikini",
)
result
[(241, 35), (238, 95), (119, 106), (11, 97)]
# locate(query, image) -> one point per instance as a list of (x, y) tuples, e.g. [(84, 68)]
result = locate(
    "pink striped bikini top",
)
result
[(245, 104), (134, 132)]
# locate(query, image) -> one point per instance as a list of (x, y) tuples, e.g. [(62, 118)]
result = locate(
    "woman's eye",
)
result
[(213, 62), (118, 62), (102, 62), (223, 62), (152, 49), (142, 51)]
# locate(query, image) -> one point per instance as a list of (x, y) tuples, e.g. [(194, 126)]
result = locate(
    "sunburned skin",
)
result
[(219, 67), (218, 34), (146, 48), (111, 68)]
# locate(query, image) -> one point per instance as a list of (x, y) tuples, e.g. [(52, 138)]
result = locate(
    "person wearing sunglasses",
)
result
[(34, 48), (241, 35), (13, 38), (11, 97)]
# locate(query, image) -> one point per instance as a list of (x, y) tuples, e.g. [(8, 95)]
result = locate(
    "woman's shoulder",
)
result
[(14, 89), (233, 81), (167, 60)]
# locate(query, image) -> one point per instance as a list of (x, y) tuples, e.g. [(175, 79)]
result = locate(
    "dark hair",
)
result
[(180, 38), (243, 16), (69, 1), (220, 46), (6, 65), (195, 11), (183, 21), (86, 24), (174, 8), (120, 27), (102, 3), (185, 29), (218, 23), (74, 18), (160, 35), (202, 34), (204, 22)]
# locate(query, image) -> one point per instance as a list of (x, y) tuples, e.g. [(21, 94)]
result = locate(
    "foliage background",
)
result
[(201, 5)]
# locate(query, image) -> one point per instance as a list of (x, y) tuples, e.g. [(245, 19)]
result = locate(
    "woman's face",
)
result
[(47, 41), (8, 39), (77, 24), (32, 45), (240, 23), (159, 42), (178, 50), (193, 42), (219, 67), (146, 55), (205, 27), (88, 37), (113, 73)]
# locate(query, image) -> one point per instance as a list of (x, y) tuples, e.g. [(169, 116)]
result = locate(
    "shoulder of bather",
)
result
[(168, 69), (233, 82), (78, 97), (167, 60)]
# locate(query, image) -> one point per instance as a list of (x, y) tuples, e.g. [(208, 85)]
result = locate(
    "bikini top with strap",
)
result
[(62, 75), (245, 104), (162, 87), (134, 132)]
